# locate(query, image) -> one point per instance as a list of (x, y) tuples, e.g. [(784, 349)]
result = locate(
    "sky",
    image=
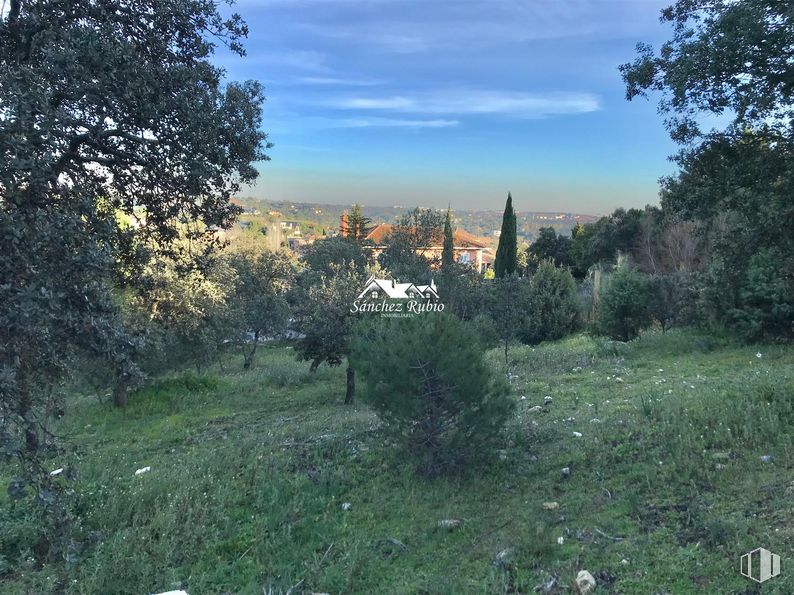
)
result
[(437, 102)]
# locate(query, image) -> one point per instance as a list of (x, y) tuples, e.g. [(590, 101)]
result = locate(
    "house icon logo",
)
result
[(760, 565), (393, 299), (388, 288)]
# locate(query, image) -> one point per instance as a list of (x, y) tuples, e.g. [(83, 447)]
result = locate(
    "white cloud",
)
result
[(394, 123), (342, 82), (462, 102)]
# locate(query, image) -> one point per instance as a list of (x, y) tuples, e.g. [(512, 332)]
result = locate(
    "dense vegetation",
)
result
[(634, 375)]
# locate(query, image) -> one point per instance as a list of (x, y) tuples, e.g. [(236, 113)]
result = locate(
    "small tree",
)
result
[(257, 303), (553, 306), (326, 320), (505, 262), (624, 304), (426, 378), (509, 304), (448, 251)]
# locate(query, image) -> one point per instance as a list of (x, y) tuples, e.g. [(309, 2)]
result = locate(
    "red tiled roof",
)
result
[(460, 237)]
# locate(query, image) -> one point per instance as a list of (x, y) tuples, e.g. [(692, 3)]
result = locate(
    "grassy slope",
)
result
[(249, 471)]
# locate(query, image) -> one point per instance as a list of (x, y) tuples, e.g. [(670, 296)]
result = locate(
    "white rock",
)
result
[(450, 524), (56, 472), (624, 562), (577, 434), (535, 409), (547, 400), (173, 593), (560, 540), (766, 458), (523, 398), (346, 506), (551, 505), (143, 470), (566, 471), (585, 583)]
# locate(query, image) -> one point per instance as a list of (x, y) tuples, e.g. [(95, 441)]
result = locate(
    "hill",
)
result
[(479, 222), (250, 472)]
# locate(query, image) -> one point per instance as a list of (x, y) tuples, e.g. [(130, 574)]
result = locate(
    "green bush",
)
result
[(675, 299), (624, 307), (765, 306), (553, 304), (426, 378)]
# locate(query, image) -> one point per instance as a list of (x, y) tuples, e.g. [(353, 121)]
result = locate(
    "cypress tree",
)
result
[(448, 252), (507, 252)]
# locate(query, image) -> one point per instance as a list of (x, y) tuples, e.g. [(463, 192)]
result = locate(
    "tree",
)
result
[(550, 245), (442, 405), (725, 57), (505, 261), (624, 304), (404, 256), (509, 308), (355, 226), (553, 306), (107, 108), (448, 252), (729, 59), (258, 305), (326, 319)]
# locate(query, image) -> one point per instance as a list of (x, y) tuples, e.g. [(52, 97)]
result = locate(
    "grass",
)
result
[(249, 472)]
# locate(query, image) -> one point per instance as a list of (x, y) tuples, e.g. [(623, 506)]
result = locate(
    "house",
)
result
[(388, 288), (468, 248)]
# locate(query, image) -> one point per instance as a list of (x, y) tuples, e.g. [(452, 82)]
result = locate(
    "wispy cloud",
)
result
[(394, 123), (341, 82), (463, 102)]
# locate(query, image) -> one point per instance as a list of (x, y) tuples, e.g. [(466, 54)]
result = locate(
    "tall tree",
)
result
[(448, 250), (732, 59), (355, 226), (106, 108), (506, 252)]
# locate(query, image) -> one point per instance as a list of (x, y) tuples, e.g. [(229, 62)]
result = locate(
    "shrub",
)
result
[(553, 304), (765, 307), (624, 305), (675, 299), (426, 378)]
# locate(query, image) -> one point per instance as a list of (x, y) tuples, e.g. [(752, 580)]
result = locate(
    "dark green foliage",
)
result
[(509, 308), (402, 256), (549, 245), (731, 58), (765, 307), (725, 57), (448, 252), (553, 305), (624, 304), (426, 378), (257, 301), (675, 299), (506, 262), (464, 291), (357, 227), (323, 314), (326, 256)]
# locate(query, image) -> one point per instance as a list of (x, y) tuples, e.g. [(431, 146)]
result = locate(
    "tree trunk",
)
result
[(25, 405), (248, 357), (351, 385), (120, 394)]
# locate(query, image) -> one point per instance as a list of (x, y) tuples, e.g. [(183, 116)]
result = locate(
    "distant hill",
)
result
[(316, 217)]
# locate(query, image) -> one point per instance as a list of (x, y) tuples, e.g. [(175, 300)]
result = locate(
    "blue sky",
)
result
[(430, 102)]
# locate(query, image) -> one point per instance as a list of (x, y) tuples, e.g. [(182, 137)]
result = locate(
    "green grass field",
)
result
[(249, 472)]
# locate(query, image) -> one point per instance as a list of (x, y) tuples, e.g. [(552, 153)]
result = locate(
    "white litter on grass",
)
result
[(346, 506), (143, 470), (758, 355), (560, 540), (173, 593), (56, 472), (577, 434)]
